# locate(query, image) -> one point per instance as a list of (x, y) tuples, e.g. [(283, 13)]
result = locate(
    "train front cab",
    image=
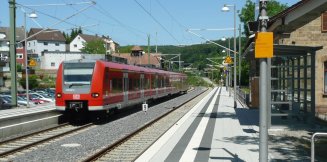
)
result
[(74, 90)]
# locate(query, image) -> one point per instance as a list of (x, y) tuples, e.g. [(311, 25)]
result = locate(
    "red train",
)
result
[(96, 85)]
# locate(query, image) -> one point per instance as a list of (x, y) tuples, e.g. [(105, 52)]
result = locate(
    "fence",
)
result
[(242, 96)]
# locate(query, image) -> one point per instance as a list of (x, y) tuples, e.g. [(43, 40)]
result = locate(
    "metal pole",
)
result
[(26, 63), (148, 49), (12, 50), (229, 71), (179, 62), (239, 55), (235, 58), (156, 42), (263, 144)]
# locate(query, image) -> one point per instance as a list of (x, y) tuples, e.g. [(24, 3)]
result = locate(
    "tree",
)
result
[(72, 35), (247, 12), (94, 47), (32, 82)]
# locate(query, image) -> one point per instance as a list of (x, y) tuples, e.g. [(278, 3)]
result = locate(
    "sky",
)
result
[(130, 22)]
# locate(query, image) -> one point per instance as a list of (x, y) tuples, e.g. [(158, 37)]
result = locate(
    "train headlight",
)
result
[(95, 95), (58, 95)]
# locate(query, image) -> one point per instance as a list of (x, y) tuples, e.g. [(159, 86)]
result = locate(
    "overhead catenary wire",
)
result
[(62, 20), (163, 27), (183, 27)]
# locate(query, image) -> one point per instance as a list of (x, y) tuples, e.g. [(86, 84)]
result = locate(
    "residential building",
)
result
[(78, 42), (48, 40), (139, 57), (52, 60), (4, 44)]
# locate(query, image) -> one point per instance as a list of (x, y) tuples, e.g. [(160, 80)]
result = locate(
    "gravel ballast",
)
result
[(82, 145)]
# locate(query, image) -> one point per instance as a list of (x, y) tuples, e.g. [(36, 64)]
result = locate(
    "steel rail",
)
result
[(32, 134), (107, 149), (14, 150)]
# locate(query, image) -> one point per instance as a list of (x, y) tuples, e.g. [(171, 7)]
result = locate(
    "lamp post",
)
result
[(32, 15), (226, 9)]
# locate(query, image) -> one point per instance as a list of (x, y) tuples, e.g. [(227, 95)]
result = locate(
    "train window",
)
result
[(147, 83), (78, 72), (136, 83), (117, 85), (153, 81), (167, 82), (130, 84)]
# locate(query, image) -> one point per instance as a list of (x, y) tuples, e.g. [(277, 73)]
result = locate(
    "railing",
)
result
[(241, 95), (313, 144)]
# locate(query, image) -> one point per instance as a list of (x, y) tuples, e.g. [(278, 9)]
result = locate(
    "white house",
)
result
[(48, 40), (52, 60), (4, 43), (78, 42)]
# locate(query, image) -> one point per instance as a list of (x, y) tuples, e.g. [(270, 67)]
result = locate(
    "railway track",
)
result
[(27, 142), (134, 144)]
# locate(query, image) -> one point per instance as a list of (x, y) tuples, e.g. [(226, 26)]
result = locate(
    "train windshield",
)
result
[(78, 74)]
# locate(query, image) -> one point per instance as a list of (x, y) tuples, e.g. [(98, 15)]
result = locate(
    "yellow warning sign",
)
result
[(228, 60), (32, 62)]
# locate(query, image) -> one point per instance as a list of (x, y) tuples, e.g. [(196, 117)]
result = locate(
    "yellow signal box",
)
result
[(264, 45)]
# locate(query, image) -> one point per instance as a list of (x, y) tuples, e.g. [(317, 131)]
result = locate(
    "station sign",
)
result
[(264, 45)]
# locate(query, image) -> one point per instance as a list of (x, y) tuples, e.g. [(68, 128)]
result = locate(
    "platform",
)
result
[(213, 130)]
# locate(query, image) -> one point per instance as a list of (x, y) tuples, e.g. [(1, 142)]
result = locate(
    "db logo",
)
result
[(76, 96)]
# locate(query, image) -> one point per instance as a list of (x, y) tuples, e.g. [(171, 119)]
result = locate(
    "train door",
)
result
[(125, 83), (142, 86)]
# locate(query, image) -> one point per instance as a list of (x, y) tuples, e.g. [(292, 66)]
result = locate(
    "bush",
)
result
[(32, 82), (19, 67)]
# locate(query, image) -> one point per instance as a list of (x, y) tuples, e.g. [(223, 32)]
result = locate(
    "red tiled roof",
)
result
[(47, 35), (139, 60), (136, 48), (88, 38)]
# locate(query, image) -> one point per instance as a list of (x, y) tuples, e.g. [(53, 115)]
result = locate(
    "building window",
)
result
[(57, 44), (324, 22), (53, 64), (29, 44), (75, 45), (45, 43), (19, 56), (45, 50), (57, 50)]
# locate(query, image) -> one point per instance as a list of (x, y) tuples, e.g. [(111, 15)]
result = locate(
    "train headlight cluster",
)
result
[(58, 95), (95, 95)]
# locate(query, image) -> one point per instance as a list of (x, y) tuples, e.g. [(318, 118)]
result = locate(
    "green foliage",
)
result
[(125, 49), (194, 80), (32, 82), (47, 82), (72, 35), (247, 12), (94, 47), (19, 67)]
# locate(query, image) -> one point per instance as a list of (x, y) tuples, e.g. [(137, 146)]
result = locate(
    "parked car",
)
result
[(33, 99), (41, 97), (20, 100), (4, 104)]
